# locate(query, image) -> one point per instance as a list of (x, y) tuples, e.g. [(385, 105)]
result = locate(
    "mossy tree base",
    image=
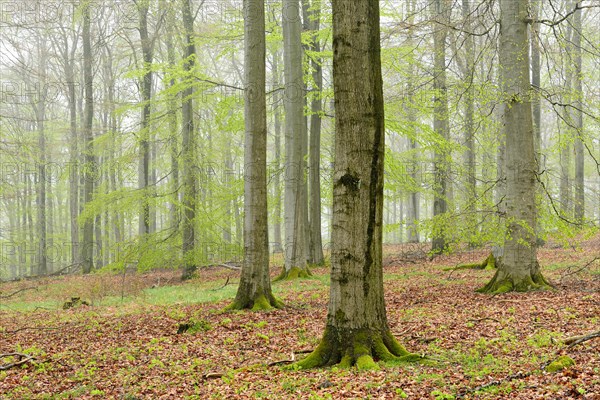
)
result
[(504, 283), (293, 273), (258, 303), (360, 348), (488, 263)]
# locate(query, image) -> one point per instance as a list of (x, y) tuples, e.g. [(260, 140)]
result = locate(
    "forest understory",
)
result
[(151, 336)]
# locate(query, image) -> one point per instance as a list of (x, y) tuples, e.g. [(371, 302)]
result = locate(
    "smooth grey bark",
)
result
[(413, 206), (536, 81), (174, 214), (87, 246), (38, 103), (295, 205), (566, 135), (312, 18), (519, 269), (147, 44), (66, 48), (188, 145), (277, 99), (442, 128), (254, 290), (469, 127), (357, 331), (577, 118)]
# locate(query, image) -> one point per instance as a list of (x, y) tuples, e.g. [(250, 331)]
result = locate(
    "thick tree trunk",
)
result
[(87, 247), (295, 200), (254, 291), (188, 146), (441, 127), (357, 332), (519, 269)]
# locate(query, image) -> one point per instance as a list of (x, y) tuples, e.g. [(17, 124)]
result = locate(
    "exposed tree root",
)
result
[(259, 303), (293, 273), (488, 263), (360, 348)]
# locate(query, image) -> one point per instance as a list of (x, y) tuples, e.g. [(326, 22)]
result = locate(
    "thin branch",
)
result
[(8, 296)]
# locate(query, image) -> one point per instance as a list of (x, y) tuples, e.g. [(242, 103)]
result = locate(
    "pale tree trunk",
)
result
[(144, 132), (39, 106), (87, 247), (277, 244), (565, 137), (174, 214), (577, 118), (469, 133), (441, 127), (312, 24), (535, 96), (518, 269), (357, 331), (412, 212), (295, 200), (68, 60), (254, 290), (188, 146)]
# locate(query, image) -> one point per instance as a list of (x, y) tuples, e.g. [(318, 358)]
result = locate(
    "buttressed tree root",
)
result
[(504, 283), (293, 273), (360, 348), (259, 303)]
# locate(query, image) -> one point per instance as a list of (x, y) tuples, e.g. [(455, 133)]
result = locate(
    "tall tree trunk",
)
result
[(519, 269), (441, 127), (173, 133), (469, 138), (312, 17), (536, 83), (254, 290), (357, 331), (412, 214), (277, 241), (39, 105), (188, 146), (295, 132), (144, 133), (577, 118), (87, 247)]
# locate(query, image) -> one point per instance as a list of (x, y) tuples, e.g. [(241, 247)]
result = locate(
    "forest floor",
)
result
[(126, 345)]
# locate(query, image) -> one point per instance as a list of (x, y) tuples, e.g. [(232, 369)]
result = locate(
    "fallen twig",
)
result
[(29, 327), (8, 296), (578, 270), (21, 359), (213, 375), (483, 319), (575, 340)]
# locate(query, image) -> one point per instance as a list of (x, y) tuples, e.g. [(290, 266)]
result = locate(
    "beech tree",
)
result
[(87, 246), (357, 331), (518, 269), (188, 144), (295, 210), (254, 290)]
